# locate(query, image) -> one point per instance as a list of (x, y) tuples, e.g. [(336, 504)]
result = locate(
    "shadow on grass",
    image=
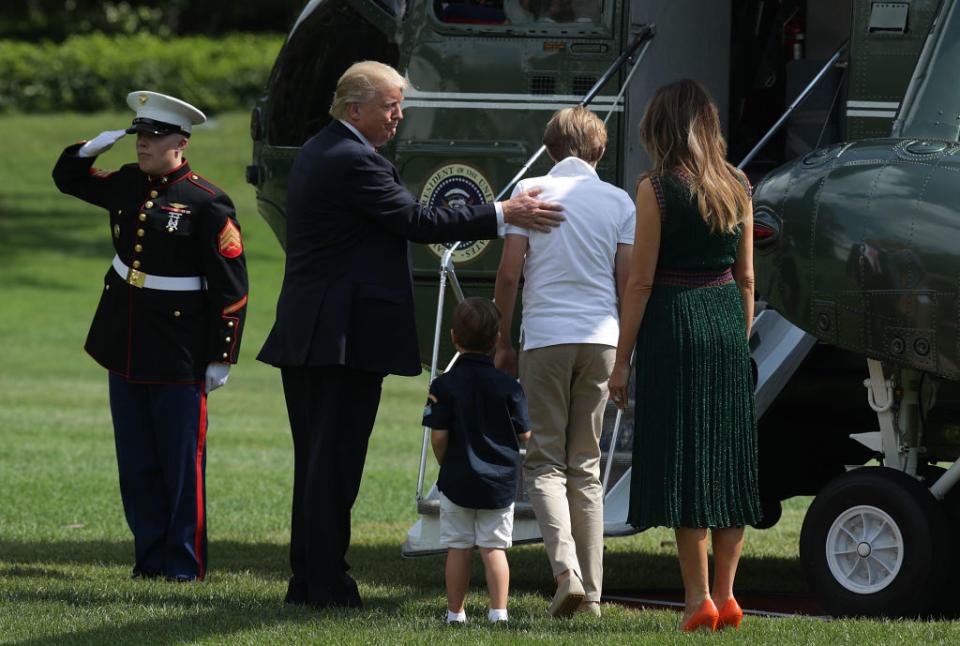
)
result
[(244, 590), (380, 564), (196, 620), (265, 560), (626, 572), (233, 599), (52, 225)]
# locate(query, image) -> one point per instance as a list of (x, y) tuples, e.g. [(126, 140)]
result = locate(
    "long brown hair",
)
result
[(680, 130)]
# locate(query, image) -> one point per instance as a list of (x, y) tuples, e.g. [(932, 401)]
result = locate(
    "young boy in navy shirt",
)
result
[(478, 416)]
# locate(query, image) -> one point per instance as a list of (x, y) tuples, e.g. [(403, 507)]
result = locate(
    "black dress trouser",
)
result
[(332, 410)]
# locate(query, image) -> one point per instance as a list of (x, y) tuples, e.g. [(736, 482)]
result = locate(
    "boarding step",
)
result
[(522, 508), (431, 507)]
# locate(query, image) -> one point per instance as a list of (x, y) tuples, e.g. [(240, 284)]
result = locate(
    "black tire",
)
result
[(949, 605), (870, 583)]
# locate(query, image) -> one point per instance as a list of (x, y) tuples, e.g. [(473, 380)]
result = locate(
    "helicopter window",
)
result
[(396, 7), (314, 57), (518, 12)]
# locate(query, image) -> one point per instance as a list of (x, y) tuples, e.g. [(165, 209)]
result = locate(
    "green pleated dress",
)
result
[(695, 442)]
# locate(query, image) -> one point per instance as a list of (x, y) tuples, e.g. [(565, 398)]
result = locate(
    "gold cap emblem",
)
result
[(142, 99)]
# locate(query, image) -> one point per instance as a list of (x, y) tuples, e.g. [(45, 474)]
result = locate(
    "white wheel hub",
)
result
[(864, 549)]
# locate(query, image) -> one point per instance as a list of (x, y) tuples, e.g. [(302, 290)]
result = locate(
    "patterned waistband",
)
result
[(692, 278)]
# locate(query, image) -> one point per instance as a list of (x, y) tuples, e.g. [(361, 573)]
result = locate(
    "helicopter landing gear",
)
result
[(876, 541)]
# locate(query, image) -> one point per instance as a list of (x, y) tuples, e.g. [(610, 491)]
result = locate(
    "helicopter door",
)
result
[(692, 41)]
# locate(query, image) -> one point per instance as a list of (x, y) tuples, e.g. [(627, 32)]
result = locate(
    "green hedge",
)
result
[(57, 20), (95, 72)]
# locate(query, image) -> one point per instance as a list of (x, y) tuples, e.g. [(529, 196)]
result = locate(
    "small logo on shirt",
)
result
[(457, 185), (431, 399)]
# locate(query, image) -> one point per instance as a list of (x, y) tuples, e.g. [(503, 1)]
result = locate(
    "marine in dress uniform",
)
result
[(168, 325)]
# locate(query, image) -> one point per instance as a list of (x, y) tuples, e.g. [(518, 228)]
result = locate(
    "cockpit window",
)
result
[(396, 7), (308, 68), (518, 12)]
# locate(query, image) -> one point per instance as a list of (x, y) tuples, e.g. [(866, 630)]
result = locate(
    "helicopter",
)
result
[(486, 76), (860, 251)]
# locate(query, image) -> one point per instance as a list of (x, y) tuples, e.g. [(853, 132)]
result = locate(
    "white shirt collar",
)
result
[(572, 167), (357, 133)]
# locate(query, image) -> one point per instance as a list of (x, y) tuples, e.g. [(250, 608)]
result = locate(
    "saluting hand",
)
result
[(101, 143), (524, 211)]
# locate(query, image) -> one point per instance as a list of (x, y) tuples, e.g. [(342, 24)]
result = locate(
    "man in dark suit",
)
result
[(345, 315)]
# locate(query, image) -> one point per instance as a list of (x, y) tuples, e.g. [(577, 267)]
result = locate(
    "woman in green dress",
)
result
[(688, 307)]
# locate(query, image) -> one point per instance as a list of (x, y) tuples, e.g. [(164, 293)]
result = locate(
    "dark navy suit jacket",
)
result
[(347, 295)]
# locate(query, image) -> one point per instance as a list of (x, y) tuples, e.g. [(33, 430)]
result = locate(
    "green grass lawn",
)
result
[(66, 552)]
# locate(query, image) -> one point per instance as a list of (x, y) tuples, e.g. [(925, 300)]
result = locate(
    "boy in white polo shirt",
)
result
[(572, 281)]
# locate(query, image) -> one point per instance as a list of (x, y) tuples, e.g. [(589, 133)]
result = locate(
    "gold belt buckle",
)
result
[(136, 277)]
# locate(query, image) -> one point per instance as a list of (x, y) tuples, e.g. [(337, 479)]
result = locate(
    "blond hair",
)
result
[(361, 83), (680, 130), (575, 132)]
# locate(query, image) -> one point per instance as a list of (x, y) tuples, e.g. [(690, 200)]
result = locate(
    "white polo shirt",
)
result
[(569, 291)]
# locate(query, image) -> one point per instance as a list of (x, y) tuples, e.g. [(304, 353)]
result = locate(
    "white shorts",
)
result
[(463, 528)]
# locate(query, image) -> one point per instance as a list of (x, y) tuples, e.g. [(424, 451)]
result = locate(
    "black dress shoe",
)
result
[(347, 595), (296, 593), (182, 578)]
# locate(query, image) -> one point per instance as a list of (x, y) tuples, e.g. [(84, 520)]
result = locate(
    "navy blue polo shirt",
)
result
[(484, 410)]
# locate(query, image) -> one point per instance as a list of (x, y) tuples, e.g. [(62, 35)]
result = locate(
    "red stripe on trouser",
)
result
[(201, 441)]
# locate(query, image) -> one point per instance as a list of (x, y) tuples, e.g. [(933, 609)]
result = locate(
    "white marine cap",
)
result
[(159, 114)]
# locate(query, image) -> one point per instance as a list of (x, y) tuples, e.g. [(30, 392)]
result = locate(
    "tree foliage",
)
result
[(96, 71), (57, 20)]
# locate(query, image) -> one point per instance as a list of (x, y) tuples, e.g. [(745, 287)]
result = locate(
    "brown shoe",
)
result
[(568, 597)]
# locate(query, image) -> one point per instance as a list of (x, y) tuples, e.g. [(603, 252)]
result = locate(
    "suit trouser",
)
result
[(566, 390), (160, 433), (332, 410)]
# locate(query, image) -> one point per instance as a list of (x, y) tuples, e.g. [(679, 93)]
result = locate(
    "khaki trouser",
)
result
[(566, 390)]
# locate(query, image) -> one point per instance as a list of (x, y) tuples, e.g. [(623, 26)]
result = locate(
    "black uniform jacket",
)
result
[(347, 295), (174, 225)]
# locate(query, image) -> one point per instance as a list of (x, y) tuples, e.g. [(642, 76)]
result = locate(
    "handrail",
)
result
[(643, 36), (793, 106)]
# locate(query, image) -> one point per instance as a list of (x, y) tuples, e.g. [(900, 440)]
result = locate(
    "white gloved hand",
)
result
[(217, 374), (101, 143)]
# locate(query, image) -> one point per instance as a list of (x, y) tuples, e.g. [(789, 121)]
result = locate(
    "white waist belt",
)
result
[(137, 278)]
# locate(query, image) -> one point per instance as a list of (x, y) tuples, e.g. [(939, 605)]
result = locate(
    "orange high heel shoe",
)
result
[(706, 616), (730, 615)]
